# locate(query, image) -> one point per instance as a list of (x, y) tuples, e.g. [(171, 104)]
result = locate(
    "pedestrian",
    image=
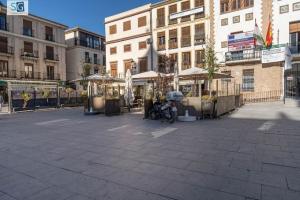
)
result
[(1, 101)]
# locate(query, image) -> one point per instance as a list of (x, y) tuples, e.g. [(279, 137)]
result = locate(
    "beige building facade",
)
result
[(84, 49), (31, 48)]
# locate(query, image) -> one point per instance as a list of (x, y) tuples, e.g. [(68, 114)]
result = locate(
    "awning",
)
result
[(3, 83)]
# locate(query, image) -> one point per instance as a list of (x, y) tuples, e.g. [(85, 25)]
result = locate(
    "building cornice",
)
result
[(85, 31), (129, 15), (128, 38), (163, 3)]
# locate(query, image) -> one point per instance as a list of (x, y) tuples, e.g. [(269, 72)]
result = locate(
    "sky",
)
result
[(88, 14)]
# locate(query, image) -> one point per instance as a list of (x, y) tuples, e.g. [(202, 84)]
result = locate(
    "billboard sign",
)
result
[(277, 54), (241, 41), (187, 13)]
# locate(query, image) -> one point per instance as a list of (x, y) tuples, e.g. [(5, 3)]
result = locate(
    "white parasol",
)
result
[(129, 96)]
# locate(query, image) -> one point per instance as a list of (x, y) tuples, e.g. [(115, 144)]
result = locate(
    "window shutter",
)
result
[(126, 26), (113, 29), (172, 9), (199, 3), (142, 21), (143, 63), (185, 5)]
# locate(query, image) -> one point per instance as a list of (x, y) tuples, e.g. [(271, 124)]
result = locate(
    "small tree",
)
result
[(211, 64), (46, 94), (26, 98), (86, 68), (69, 92)]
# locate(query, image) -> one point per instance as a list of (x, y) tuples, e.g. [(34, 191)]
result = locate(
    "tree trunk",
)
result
[(209, 87)]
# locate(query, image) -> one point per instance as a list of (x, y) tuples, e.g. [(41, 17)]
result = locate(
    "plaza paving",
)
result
[(252, 154)]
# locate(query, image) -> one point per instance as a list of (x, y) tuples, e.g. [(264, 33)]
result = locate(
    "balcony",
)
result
[(8, 74), (173, 44), (199, 39), (185, 65), (51, 77), (186, 41), (185, 19), (200, 64), (51, 57), (250, 55), (172, 21), (28, 32), (49, 37), (30, 54), (84, 43), (294, 48), (160, 22), (30, 75), (8, 50), (161, 47), (4, 26), (88, 60)]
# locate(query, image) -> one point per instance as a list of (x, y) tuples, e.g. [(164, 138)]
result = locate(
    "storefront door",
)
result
[(292, 78)]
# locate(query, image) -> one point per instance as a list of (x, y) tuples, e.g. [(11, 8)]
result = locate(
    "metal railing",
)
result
[(185, 65), (8, 74), (160, 22), (88, 60), (30, 54), (265, 96), (186, 41), (54, 76), (51, 56), (245, 55), (28, 32), (49, 37), (295, 49), (30, 75), (7, 50)]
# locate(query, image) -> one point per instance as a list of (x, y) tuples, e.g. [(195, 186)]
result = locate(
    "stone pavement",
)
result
[(62, 155)]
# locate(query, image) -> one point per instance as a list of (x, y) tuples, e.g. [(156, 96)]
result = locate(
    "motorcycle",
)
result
[(166, 110)]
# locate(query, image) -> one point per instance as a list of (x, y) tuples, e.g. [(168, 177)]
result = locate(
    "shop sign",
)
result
[(272, 55), (241, 41), (187, 13)]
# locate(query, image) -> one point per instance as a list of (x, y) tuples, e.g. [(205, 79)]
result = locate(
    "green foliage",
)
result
[(69, 90), (26, 97), (46, 93)]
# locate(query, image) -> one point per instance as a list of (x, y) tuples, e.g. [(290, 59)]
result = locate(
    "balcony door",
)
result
[(49, 52), (3, 44), (49, 33), (3, 24), (127, 65), (3, 68), (28, 70), (27, 28), (28, 47), (50, 72), (295, 37)]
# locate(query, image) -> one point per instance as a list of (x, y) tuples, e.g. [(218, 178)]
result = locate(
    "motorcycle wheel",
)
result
[(152, 115)]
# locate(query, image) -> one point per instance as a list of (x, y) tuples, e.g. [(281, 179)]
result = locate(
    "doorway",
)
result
[(292, 78)]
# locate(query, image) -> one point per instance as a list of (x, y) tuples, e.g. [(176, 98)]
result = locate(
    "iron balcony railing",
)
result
[(185, 65), (294, 48), (4, 26), (161, 47), (7, 50), (200, 63), (51, 76), (199, 39), (30, 75), (8, 74), (49, 37), (30, 54), (160, 22), (173, 44), (28, 32), (245, 55), (88, 60), (51, 56), (186, 41)]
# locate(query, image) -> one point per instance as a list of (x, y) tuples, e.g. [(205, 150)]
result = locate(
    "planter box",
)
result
[(225, 104), (192, 104), (112, 107)]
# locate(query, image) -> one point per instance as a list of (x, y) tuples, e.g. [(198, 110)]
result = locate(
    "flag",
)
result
[(269, 36), (258, 38)]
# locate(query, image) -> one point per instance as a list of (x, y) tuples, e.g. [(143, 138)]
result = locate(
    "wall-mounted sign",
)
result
[(17, 7), (241, 41), (296, 6), (278, 54), (187, 13)]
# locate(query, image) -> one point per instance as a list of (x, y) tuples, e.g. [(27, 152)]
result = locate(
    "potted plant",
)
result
[(26, 98), (69, 92), (46, 94)]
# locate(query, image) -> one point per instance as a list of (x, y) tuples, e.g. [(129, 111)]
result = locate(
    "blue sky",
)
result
[(87, 14)]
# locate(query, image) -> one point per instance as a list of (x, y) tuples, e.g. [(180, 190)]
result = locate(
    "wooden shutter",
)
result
[(142, 45), (294, 27), (114, 69), (173, 33), (143, 64), (113, 29), (127, 65), (172, 9), (199, 29), (186, 31), (199, 3), (160, 12), (28, 47), (142, 21), (185, 5), (113, 50), (127, 48), (126, 26)]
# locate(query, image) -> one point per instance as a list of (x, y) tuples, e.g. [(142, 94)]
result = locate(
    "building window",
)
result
[(142, 21), (127, 48), (173, 41), (186, 60), (235, 5), (199, 3), (126, 26), (87, 58), (114, 69), (172, 10), (186, 36), (3, 24), (3, 45), (248, 3), (50, 72), (49, 53), (236, 19), (295, 37), (143, 64), (27, 28), (113, 50), (127, 65), (173, 62), (248, 80), (224, 22), (113, 29), (224, 6), (284, 9), (28, 70), (3, 68), (249, 16), (96, 61), (199, 34), (28, 49), (161, 41), (142, 45), (160, 17), (184, 7), (200, 58)]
